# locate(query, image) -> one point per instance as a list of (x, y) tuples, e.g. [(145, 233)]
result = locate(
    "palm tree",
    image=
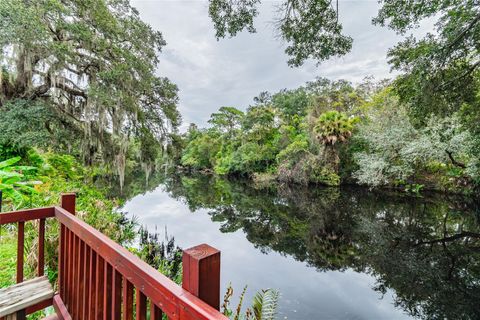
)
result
[(333, 127)]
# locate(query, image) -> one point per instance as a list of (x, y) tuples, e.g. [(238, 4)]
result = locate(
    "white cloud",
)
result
[(231, 72)]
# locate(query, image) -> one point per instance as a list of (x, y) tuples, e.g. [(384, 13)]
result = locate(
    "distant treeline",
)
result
[(333, 132)]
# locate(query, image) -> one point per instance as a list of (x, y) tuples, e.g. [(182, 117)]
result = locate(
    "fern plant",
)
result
[(264, 305)]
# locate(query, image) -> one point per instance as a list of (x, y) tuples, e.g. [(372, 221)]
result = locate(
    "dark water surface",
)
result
[(332, 253)]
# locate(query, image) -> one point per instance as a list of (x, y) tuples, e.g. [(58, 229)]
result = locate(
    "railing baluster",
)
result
[(127, 300), (80, 277), (141, 305), (74, 283), (86, 281), (20, 250), (100, 284), (67, 262), (67, 270), (41, 248), (117, 295), (61, 261), (93, 283), (107, 295), (71, 269), (155, 312)]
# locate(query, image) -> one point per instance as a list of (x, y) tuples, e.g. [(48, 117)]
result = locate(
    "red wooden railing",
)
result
[(99, 279)]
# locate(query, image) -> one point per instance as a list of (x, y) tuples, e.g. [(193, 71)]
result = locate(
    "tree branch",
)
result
[(455, 162), (451, 238)]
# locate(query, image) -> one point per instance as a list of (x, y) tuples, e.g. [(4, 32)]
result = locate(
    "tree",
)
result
[(441, 70), (227, 119), (291, 103), (339, 95), (93, 64), (310, 27), (333, 127)]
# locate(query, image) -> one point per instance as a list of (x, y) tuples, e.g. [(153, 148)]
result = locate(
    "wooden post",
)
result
[(201, 273), (68, 202)]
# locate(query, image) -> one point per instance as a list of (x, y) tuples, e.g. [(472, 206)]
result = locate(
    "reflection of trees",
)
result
[(426, 249)]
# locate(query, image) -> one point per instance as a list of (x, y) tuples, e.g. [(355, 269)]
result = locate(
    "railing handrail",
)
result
[(174, 301), (26, 215)]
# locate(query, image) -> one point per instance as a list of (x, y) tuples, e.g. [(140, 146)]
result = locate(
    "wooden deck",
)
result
[(28, 293), (99, 279)]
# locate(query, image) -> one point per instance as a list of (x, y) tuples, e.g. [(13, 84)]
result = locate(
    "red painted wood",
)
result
[(175, 302), (66, 267), (39, 306), (69, 284), (140, 305), (86, 279), (100, 287), (127, 304), (68, 202), (72, 306), (117, 295), (41, 248), (107, 295), (26, 215), (20, 250), (155, 312), (60, 308), (61, 262), (93, 284), (201, 273), (80, 279)]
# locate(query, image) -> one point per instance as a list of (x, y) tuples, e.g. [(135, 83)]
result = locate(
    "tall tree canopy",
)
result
[(92, 65), (310, 27), (442, 69), (312, 30)]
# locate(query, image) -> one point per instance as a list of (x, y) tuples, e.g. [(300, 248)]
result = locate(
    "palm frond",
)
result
[(270, 304)]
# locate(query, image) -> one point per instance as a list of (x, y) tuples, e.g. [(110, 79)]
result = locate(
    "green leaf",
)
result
[(9, 162)]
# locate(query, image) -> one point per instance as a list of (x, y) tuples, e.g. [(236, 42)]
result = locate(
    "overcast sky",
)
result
[(230, 72)]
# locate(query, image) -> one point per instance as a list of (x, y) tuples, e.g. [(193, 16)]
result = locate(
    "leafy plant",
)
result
[(14, 183), (264, 305), (333, 127)]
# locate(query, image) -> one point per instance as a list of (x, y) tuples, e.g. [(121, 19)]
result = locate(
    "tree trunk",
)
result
[(331, 157)]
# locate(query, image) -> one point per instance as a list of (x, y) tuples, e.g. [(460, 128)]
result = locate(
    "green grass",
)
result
[(8, 248)]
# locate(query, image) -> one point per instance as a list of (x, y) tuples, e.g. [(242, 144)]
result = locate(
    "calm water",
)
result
[(333, 254)]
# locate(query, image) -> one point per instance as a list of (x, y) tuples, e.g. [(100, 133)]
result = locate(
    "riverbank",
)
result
[(333, 133), (449, 186)]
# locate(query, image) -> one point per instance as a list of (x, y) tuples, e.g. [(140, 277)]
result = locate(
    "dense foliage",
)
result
[(80, 76), (330, 132), (40, 178)]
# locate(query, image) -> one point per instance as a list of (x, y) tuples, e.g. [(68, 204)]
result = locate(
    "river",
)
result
[(346, 253)]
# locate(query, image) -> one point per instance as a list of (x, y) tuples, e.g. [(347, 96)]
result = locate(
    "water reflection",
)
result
[(427, 250)]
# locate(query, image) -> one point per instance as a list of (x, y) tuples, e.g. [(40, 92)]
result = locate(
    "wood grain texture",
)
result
[(23, 295), (60, 308), (201, 273)]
